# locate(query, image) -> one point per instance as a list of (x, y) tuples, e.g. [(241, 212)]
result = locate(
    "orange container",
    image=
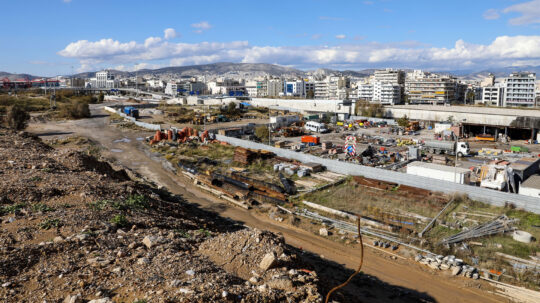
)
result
[(310, 139)]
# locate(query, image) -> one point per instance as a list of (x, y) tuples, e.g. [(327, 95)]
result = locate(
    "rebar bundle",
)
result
[(500, 224)]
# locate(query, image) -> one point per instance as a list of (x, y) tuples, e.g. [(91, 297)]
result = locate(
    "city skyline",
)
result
[(65, 36)]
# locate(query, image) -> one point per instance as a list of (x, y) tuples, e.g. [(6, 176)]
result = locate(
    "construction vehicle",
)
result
[(198, 120), (447, 147)]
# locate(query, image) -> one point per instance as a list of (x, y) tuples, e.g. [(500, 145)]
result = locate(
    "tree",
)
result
[(17, 117), (262, 133), (101, 97), (310, 94), (403, 121)]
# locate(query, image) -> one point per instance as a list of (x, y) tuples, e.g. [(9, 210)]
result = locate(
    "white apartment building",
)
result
[(520, 90), (321, 89), (493, 95), (155, 83), (275, 87), (104, 79), (251, 88), (171, 89), (386, 93), (365, 91), (332, 87)]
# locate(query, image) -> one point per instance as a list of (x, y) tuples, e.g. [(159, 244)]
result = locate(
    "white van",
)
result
[(316, 127)]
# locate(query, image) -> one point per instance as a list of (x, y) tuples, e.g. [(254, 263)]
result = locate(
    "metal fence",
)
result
[(489, 196)]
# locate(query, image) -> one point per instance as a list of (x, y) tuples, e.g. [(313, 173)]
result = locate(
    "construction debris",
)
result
[(246, 156), (501, 224)]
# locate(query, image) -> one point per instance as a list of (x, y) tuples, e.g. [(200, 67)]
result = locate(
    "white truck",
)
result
[(447, 147)]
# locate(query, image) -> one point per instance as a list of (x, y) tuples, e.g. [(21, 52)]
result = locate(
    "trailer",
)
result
[(447, 147)]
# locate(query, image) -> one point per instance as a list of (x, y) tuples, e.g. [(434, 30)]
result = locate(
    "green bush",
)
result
[(120, 221), (17, 117), (75, 110)]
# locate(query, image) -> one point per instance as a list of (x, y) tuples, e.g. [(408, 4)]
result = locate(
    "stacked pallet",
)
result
[(244, 156)]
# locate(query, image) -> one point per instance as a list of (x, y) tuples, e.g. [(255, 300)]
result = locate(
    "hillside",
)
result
[(72, 226)]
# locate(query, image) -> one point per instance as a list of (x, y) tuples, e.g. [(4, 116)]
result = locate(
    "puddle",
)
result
[(140, 139), (115, 150), (125, 140)]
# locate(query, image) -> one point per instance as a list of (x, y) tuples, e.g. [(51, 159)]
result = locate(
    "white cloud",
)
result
[(491, 14), (341, 36), (529, 12), (170, 33), (503, 51), (316, 36), (201, 26)]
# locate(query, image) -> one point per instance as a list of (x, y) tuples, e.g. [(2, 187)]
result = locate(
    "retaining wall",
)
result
[(489, 196)]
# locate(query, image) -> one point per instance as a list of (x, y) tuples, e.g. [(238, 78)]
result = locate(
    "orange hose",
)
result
[(359, 266)]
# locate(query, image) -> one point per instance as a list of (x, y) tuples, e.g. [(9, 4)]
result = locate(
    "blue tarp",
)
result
[(245, 104)]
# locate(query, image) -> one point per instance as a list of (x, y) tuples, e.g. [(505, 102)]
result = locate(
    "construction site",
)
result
[(443, 231), (330, 186)]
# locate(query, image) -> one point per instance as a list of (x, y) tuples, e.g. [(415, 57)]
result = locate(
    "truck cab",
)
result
[(463, 149)]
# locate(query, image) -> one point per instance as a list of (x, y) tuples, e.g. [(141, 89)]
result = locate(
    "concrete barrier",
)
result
[(489, 196), (149, 126)]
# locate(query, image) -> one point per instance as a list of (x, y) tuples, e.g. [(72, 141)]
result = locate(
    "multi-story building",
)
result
[(493, 95), (389, 75), (251, 88), (294, 88), (262, 88), (321, 89), (171, 89), (520, 90), (432, 90), (309, 88), (104, 79), (365, 91), (488, 81), (386, 93), (275, 87)]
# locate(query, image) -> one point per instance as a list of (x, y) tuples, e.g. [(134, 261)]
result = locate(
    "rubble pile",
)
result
[(72, 229), (265, 262), (450, 263)]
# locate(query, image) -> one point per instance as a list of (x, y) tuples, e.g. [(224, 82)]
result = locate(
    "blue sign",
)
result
[(289, 88)]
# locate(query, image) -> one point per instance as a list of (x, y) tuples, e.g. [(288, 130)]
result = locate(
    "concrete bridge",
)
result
[(469, 115)]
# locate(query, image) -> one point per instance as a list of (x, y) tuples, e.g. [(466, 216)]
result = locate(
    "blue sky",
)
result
[(50, 37)]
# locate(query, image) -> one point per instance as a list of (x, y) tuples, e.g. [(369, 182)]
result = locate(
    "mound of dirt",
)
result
[(72, 228)]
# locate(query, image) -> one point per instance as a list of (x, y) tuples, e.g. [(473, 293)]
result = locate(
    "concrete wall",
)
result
[(519, 118), (481, 194)]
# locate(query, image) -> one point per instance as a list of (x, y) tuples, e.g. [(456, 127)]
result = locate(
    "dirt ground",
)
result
[(125, 147)]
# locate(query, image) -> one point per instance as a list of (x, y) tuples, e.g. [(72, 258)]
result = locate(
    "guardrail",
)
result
[(489, 196)]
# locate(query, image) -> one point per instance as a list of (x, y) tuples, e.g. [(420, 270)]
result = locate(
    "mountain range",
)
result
[(230, 69)]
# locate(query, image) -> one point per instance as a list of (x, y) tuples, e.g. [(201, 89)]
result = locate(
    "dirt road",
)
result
[(126, 148)]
